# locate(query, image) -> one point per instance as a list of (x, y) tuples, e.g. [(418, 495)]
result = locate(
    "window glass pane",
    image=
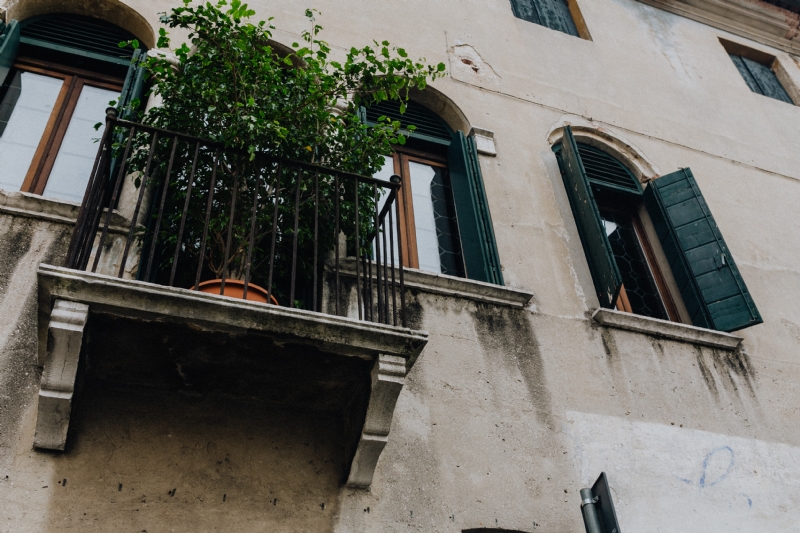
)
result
[(427, 241), (35, 97), (76, 156), (636, 276), (446, 228), (386, 172)]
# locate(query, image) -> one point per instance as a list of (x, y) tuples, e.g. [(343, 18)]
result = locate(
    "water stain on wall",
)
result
[(507, 334)]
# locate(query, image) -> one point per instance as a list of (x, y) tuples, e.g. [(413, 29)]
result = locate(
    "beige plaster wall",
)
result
[(507, 413)]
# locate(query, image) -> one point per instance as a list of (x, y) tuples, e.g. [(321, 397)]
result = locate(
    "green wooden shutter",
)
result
[(553, 14), (760, 78), (133, 87), (132, 90), (605, 273), (711, 285), (9, 44), (472, 212)]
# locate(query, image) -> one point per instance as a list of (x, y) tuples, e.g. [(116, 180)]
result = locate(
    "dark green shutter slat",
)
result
[(472, 211), (767, 80), (9, 44), (604, 170), (709, 281), (78, 35), (526, 10), (605, 274), (553, 14), (426, 121), (132, 89), (760, 78), (748, 78)]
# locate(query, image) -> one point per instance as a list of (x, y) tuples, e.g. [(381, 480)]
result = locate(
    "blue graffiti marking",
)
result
[(711, 454), (749, 501)]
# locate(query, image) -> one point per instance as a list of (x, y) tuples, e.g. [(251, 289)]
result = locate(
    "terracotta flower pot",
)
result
[(234, 288)]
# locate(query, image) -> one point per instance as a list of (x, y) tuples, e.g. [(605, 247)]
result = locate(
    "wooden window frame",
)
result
[(73, 81), (406, 225)]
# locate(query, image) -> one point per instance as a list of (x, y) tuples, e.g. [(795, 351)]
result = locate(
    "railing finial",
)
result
[(112, 112), (395, 179)]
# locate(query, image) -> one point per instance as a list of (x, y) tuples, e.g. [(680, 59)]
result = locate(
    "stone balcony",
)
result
[(133, 335)]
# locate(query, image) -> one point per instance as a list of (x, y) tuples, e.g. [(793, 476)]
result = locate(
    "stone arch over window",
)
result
[(110, 11), (440, 104), (616, 145)]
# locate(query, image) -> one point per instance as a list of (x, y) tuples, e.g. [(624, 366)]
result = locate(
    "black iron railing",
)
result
[(204, 212)]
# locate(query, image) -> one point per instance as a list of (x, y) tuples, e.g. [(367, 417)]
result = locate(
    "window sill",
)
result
[(666, 329), (452, 286), (23, 204)]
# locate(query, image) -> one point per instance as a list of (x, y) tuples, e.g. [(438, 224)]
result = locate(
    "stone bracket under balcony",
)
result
[(135, 335)]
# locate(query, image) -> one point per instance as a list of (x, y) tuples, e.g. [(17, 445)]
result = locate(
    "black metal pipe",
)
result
[(590, 519)]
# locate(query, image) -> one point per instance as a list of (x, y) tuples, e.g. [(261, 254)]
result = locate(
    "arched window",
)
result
[(613, 211), (445, 219), (617, 196), (58, 74)]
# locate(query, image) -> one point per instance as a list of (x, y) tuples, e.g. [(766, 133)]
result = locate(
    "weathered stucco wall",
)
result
[(508, 412)]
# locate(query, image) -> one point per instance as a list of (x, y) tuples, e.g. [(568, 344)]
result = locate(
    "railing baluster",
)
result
[(94, 209), (368, 273), (252, 235), (161, 209), (376, 292), (277, 190), (385, 275), (378, 252), (208, 217), (316, 236), (294, 233), (142, 188), (234, 194), (183, 218), (102, 153), (358, 254), (114, 194), (391, 247), (396, 181), (336, 237)]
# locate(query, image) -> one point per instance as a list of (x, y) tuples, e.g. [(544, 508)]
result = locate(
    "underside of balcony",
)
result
[(132, 335)]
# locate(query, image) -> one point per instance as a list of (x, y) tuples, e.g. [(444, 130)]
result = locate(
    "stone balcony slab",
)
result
[(141, 336)]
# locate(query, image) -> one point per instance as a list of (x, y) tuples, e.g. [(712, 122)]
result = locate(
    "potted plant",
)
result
[(229, 85)]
